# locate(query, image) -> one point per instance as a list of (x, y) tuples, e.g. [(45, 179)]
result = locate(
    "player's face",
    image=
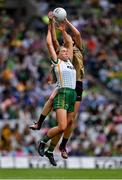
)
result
[(63, 54)]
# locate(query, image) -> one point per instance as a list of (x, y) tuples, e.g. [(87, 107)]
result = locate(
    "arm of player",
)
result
[(53, 31), (77, 36), (67, 40), (54, 38), (68, 43), (50, 44)]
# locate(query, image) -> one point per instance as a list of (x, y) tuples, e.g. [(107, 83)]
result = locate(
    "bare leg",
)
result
[(55, 140), (68, 131), (49, 104), (46, 109), (61, 115)]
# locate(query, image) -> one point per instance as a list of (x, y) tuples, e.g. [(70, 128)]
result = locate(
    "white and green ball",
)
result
[(59, 14)]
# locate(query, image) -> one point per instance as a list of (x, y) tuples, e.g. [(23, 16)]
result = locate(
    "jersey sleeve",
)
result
[(54, 62)]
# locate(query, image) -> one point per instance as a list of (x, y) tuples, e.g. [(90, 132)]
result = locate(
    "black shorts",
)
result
[(79, 90)]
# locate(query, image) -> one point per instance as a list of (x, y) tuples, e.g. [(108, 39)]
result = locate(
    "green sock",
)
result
[(51, 148), (46, 139)]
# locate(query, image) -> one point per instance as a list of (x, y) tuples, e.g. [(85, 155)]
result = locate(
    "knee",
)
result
[(62, 127)]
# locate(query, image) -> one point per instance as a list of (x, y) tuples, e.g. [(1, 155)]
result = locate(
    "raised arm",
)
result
[(53, 31), (54, 37), (50, 44), (68, 43), (76, 34)]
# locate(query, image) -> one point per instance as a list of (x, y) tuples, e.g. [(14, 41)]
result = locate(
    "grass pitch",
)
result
[(60, 173)]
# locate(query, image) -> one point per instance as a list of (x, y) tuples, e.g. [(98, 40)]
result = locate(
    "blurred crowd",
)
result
[(25, 77)]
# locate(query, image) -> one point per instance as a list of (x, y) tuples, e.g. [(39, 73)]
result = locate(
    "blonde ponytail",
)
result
[(78, 63)]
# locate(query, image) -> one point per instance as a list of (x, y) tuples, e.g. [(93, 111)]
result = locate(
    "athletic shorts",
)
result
[(79, 90), (65, 99)]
